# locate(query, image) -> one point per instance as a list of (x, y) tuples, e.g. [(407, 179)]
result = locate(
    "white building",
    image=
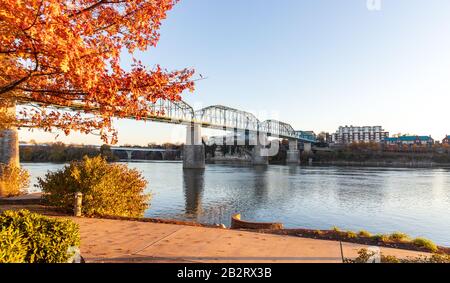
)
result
[(366, 134)]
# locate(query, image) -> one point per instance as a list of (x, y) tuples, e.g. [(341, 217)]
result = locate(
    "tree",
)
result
[(67, 52)]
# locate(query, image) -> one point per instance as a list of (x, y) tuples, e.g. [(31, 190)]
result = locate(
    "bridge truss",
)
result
[(216, 117)]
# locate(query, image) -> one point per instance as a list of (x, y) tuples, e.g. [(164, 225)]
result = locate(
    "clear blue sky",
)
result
[(316, 64)]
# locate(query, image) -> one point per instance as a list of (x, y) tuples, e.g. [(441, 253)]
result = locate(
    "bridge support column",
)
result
[(293, 154), (194, 150), (259, 156), (307, 147), (129, 153), (9, 142)]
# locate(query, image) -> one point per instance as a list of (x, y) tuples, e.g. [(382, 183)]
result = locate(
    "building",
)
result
[(366, 134), (310, 135), (409, 140), (446, 140)]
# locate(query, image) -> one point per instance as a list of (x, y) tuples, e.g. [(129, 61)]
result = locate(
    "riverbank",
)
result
[(126, 241), (115, 239), (379, 158)]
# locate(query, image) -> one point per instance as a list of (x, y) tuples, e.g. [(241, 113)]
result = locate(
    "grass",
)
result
[(351, 235), (399, 237), (364, 233), (425, 243), (396, 237), (364, 256), (381, 238)]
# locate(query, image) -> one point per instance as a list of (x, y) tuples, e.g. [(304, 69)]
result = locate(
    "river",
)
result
[(379, 200)]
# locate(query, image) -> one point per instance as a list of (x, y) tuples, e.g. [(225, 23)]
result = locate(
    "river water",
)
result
[(379, 200)]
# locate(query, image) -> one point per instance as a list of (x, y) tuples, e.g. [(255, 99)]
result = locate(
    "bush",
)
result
[(108, 189), (336, 229), (12, 246), (351, 235), (399, 237), (364, 256), (364, 233), (381, 238), (425, 243), (13, 180), (33, 238)]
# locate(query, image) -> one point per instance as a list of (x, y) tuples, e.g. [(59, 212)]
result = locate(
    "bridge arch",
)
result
[(218, 116), (277, 128)]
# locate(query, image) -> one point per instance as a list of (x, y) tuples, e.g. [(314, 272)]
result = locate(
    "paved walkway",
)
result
[(131, 241)]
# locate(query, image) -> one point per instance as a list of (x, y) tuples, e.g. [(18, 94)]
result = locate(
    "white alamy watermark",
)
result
[(74, 255), (373, 5), (375, 255)]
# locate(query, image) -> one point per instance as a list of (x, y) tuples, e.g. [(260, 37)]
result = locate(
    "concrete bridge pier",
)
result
[(307, 147), (259, 154), (129, 153), (9, 147), (9, 142), (293, 154), (194, 150)]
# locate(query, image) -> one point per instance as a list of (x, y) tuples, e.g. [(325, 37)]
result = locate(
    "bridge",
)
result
[(128, 150), (220, 118)]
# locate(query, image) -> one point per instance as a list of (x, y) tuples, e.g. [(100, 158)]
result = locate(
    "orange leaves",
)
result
[(68, 51)]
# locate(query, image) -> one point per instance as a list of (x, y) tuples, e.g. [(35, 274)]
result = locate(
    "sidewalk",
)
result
[(132, 241)]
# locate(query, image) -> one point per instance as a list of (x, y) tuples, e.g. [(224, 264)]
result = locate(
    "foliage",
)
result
[(364, 256), (33, 238), (12, 246), (64, 52), (336, 229), (381, 238), (13, 180), (364, 233), (56, 153), (396, 237), (425, 243), (108, 189), (399, 237), (351, 235)]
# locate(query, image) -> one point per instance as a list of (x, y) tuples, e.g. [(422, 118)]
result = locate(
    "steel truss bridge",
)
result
[(224, 118), (215, 117)]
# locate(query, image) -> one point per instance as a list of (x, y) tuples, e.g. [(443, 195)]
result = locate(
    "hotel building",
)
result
[(366, 134)]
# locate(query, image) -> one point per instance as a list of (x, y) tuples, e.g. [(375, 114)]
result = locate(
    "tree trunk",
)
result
[(9, 143)]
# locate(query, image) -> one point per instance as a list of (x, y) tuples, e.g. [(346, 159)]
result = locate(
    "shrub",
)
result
[(381, 238), (425, 243), (13, 180), (336, 229), (364, 255), (351, 235), (12, 246), (108, 189), (33, 238), (364, 233), (399, 237)]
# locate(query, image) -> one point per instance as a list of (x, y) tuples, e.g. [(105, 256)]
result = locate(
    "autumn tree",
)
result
[(67, 53)]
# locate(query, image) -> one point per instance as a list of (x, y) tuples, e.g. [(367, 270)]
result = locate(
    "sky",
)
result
[(315, 64)]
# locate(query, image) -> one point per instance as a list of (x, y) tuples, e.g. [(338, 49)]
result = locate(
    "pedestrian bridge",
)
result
[(216, 117)]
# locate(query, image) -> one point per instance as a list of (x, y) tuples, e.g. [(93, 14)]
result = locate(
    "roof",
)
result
[(409, 138)]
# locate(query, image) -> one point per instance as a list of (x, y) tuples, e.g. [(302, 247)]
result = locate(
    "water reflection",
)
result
[(193, 184)]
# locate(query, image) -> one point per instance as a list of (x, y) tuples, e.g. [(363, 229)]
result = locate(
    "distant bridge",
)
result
[(128, 150)]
